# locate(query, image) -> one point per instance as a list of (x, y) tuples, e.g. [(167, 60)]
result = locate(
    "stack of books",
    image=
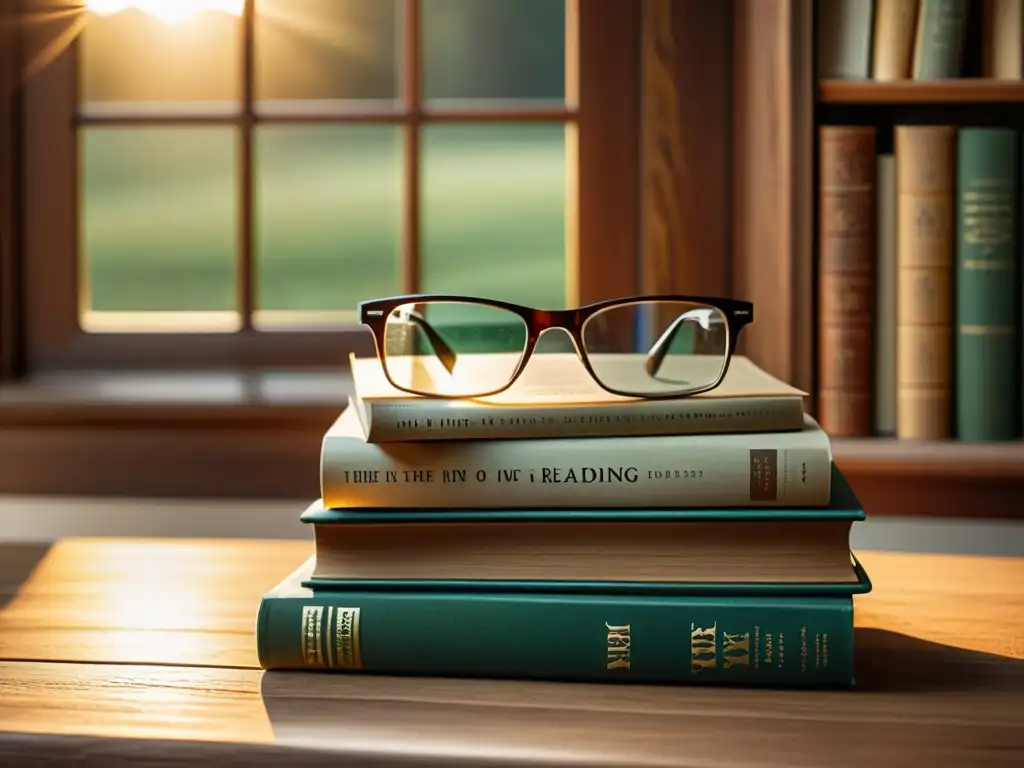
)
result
[(555, 531)]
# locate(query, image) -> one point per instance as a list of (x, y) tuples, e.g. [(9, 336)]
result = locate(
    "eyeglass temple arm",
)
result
[(441, 349), (656, 355)]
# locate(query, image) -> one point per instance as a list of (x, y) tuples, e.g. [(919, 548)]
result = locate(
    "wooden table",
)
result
[(143, 651)]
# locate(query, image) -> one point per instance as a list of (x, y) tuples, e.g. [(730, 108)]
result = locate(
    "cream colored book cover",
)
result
[(770, 469), (556, 397)]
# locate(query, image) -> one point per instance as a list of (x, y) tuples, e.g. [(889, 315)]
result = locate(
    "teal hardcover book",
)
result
[(770, 640), (987, 287)]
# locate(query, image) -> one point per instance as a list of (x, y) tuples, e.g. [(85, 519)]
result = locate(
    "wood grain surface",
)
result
[(142, 651)]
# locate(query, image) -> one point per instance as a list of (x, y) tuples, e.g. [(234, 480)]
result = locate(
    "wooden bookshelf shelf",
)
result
[(941, 458), (965, 91), (934, 479)]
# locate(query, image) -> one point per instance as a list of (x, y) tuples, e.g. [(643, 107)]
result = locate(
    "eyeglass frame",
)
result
[(374, 314)]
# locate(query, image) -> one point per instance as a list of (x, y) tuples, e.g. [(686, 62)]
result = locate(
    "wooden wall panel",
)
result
[(685, 149), (605, 89), (772, 214)]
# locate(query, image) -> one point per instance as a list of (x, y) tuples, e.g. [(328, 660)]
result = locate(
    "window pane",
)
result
[(328, 216), (494, 211), (494, 49), (326, 49), (161, 58), (159, 219)]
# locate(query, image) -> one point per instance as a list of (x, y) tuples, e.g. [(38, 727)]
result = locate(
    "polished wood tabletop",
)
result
[(143, 651)]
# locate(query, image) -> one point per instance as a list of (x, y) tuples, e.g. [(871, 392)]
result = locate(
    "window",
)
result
[(215, 182)]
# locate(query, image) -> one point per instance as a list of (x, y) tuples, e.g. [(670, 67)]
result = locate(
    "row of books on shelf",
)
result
[(889, 40), (585, 537), (920, 321)]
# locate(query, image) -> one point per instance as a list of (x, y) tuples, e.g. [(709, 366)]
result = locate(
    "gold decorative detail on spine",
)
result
[(327, 627), (312, 631), (346, 639), (988, 218), (983, 330)]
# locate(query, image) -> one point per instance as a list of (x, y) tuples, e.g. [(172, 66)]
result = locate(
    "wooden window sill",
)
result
[(169, 434), (147, 397)]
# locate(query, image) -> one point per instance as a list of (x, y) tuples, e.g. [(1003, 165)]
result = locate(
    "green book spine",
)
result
[(939, 45), (987, 287), (779, 641)]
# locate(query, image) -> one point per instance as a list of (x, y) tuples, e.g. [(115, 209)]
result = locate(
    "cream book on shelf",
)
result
[(767, 469), (556, 397)]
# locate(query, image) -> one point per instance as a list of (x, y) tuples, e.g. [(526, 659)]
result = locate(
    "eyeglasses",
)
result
[(642, 346)]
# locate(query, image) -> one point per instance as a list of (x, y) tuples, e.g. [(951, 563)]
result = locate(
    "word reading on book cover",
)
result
[(581, 475)]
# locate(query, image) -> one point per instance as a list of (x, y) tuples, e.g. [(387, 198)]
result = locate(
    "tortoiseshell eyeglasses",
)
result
[(642, 346)]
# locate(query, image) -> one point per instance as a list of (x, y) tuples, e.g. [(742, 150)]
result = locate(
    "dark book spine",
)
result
[(847, 280), (844, 39), (769, 641), (987, 286)]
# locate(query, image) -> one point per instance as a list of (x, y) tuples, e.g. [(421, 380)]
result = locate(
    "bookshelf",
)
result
[(758, 113), (894, 475)]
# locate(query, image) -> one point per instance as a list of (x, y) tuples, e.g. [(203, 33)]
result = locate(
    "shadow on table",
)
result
[(17, 563), (891, 662), (479, 720)]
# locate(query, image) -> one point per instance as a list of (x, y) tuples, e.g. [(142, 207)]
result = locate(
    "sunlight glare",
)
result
[(169, 11)]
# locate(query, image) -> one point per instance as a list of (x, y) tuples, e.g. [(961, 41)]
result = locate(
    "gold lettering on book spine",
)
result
[(735, 650), (312, 634), (988, 218), (703, 647), (618, 640), (346, 639)]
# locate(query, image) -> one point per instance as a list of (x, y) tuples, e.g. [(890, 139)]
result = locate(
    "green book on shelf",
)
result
[(940, 39), (987, 285), (782, 641)]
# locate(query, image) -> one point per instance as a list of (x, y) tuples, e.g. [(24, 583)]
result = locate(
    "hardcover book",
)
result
[(646, 550), (940, 38), (987, 286), (776, 640), (771, 469), (556, 397), (846, 286), (925, 300)]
